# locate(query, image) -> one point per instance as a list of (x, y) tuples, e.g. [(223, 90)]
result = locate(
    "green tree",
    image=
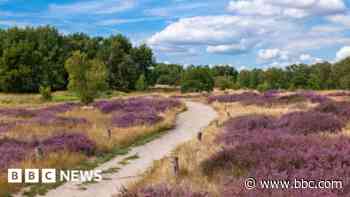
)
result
[(244, 79), (167, 74), (197, 79), (86, 77), (225, 70), (340, 73), (141, 83), (224, 82), (143, 57)]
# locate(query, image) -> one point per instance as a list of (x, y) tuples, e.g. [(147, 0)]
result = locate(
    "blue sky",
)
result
[(242, 33)]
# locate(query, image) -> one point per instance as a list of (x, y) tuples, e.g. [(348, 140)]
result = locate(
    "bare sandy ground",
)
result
[(188, 124)]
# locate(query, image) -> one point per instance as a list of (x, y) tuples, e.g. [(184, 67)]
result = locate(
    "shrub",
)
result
[(249, 122), (74, 142), (268, 155), (86, 77), (224, 82), (138, 104), (141, 83), (340, 109), (12, 151), (135, 118), (263, 87), (45, 92), (230, 98), (309, 122), (197, 79)]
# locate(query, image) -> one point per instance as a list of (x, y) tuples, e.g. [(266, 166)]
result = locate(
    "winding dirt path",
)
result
[(188, 124)]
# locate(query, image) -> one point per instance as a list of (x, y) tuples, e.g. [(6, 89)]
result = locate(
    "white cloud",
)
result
[(220, 34), (341, 19), (287, 8), (227, 49), (343, 53), (305, 57), (92, 7), (269, 54)]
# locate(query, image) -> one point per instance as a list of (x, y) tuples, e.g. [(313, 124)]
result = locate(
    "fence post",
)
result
[(200, 136), (109, 133), (39, 153), (176, 167)]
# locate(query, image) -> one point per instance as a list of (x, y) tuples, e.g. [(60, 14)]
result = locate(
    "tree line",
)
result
[(33, 59), (319, 76)]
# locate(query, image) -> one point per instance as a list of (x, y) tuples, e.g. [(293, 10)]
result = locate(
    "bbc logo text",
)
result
[(52, 175)]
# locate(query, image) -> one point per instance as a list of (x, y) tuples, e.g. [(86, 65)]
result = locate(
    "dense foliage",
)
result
[(86, 77), (197, 79), (34, 57)]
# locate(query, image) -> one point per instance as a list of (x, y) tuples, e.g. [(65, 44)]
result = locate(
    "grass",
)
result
[(191, 154), (31, 100), (122, 140)]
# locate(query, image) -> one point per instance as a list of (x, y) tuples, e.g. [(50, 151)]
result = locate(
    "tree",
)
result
[(86, 77), (274, 78), (224, 82), (225, 70), (143, 57), (166, 74), (341, 71), (244, 79), (299, 75), (197, 79), (141, 83)]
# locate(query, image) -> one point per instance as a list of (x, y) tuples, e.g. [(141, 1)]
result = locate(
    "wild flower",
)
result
[(12, 151), (309, 122), (277, 156), (138, 104), (74, 142), (340, 109), (130, 119)]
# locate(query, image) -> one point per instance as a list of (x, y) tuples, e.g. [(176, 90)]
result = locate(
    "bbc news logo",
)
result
[(52, 176)]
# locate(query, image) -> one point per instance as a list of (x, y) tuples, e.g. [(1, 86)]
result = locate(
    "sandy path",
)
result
[(188, 124)]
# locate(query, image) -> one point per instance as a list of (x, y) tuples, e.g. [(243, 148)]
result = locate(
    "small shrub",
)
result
[(197, 79), (249, 122), (309, 122), (340, 109), (223, 83), (12, 151), (135, 118), (45, 92), (141, 83), (74, 142)]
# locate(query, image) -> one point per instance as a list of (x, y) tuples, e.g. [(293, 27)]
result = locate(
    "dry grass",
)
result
[(192, 153), (96, 130), (58, 160)]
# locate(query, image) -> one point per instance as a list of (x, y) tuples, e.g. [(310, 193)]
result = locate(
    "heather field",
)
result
[(69, 135), (275, 135)]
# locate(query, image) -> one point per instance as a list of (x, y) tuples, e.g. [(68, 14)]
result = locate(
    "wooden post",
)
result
[(200, 136), (109, 133), (176, 167), (39, 153)]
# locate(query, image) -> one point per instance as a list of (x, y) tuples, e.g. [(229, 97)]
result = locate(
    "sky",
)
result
[(242, 33)]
